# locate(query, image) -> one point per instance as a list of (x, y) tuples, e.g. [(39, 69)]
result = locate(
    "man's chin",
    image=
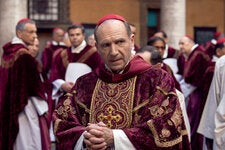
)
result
[(116, 69)]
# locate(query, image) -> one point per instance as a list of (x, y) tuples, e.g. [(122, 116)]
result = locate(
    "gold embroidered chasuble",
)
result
[(145, 106), (112, 103)]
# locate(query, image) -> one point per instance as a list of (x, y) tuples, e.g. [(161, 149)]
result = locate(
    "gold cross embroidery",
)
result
[(109, 118), (65, 109)]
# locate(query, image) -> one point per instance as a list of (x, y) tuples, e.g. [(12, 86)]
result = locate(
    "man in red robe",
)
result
[(160, 45), (78, 52), (22, 96), (56, 43), (134, 31), (123, 104), (170, 52), (196, 64)]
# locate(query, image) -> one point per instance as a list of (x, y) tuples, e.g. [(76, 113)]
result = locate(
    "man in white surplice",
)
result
[(212, 123)]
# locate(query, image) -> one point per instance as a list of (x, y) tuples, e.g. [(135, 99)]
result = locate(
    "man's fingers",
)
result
[(96, 140), (96, 132), (87, 135), (99, 146), (95, 143)]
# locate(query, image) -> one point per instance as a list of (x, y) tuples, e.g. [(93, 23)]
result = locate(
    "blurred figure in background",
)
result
[(23, 103), (152, 56), (91, 40), (210, 45), (34, 49), (134, 30), (56, 43), (214, 96), (196, 64), (170, 52)]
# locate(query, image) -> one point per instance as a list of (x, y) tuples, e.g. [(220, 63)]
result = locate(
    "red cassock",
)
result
[(63, 57), (194, 71), (47, 57), (19, 79), (141, 101), (173, 53), (167, 68)]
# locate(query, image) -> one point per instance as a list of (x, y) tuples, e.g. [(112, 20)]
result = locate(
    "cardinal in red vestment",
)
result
[(22, 118), (123, 104)]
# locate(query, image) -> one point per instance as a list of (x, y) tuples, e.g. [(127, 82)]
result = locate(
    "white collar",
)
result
[(193, 47), (214, 58), (58, 43), (165, 54), (79, 48), (17, 40)]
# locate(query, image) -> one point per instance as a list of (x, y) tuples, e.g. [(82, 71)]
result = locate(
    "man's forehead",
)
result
[(30, 26), (112, 23), (76, 30), (110, 17)]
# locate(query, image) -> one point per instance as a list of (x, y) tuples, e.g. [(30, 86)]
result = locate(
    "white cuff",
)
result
[(121, 140), (57, 86), (79, 144)]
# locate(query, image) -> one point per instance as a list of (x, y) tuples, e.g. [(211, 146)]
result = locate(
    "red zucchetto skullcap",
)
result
[(216, 35), (23, 20), (189, 37), (56, 29), (221, 40), (111, 16)]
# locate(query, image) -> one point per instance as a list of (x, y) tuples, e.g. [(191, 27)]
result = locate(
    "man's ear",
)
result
[(218, 52), (132, 38), (19, 33)]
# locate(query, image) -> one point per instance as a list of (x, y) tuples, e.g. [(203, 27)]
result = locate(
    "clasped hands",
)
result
[(98, 137)]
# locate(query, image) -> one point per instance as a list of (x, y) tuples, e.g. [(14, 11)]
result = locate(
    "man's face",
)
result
[(159, 45), (220, 51), (58, 35), (33, 49), (114, 44), (29, 34), (76, 36), (133, 29), (185, 46)]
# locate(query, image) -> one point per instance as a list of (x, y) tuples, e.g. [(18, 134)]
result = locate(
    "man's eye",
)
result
[(104, 45), (120, 42)]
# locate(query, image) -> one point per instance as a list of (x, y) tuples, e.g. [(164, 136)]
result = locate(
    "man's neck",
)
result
[(79, 48)]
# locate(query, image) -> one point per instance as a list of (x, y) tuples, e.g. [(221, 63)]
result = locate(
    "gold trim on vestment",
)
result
[(82, 59), (141, 105), (9, 63), (164, 92), (162, 138), (65, 109), (157, 139), (82, 105), (87, 54), (112, 103), (55, 127), (64, 56)]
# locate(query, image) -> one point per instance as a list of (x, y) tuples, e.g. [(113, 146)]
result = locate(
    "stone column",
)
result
[(11, 11), (173, 20)]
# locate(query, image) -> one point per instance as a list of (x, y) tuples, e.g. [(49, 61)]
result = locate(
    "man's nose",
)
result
[(113, 50)]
